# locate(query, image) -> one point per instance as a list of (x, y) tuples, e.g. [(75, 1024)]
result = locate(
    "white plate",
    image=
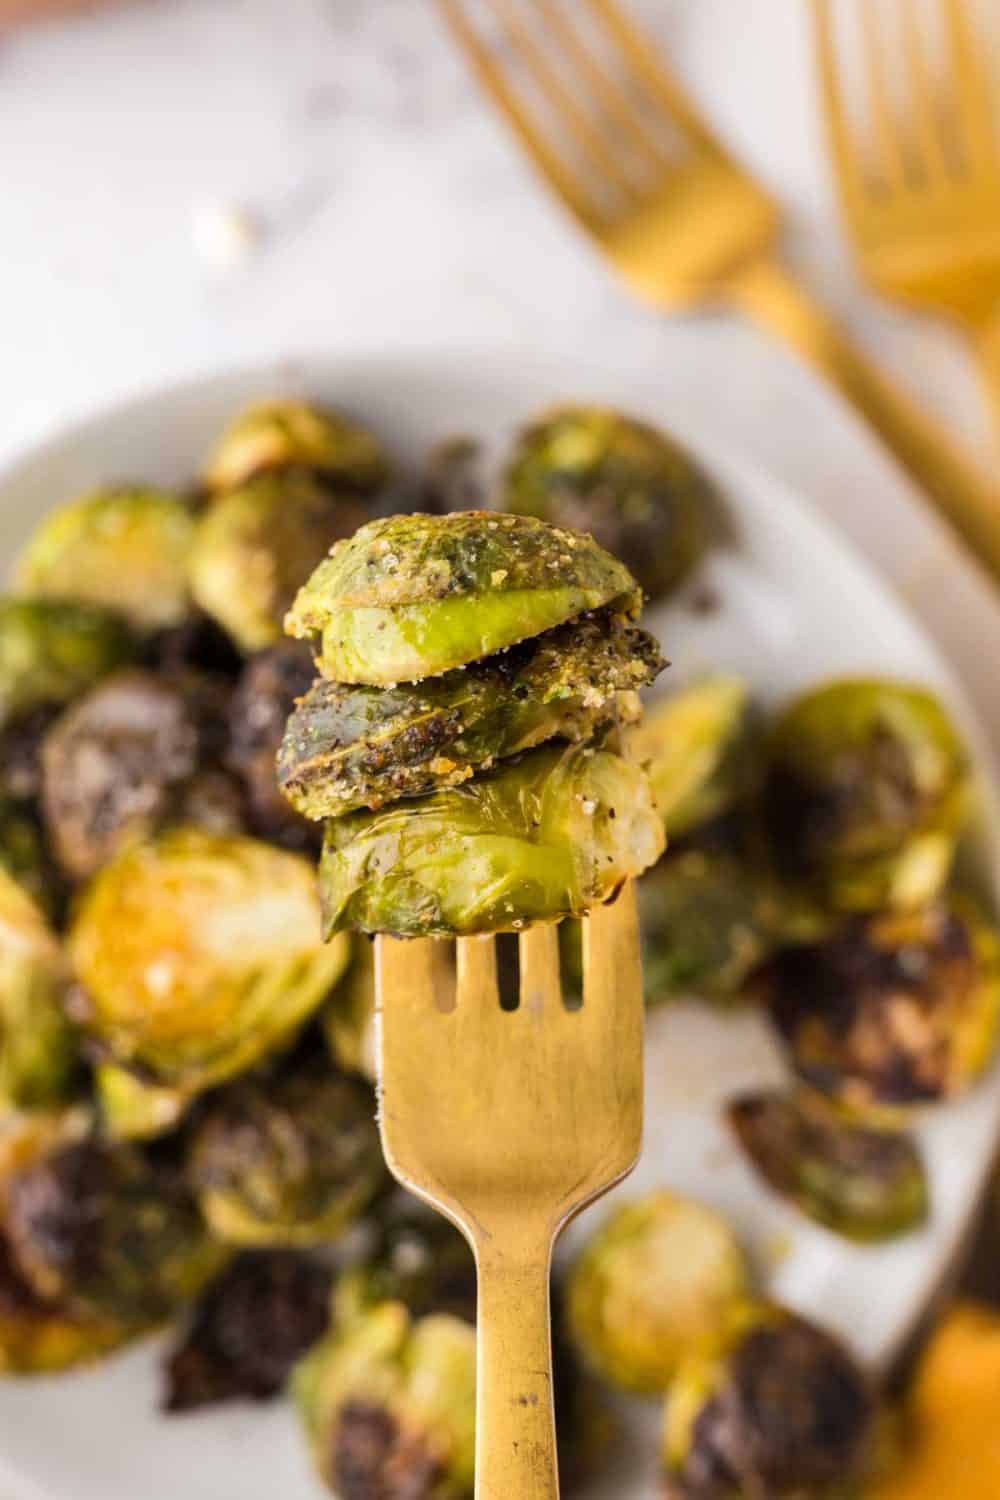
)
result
[(795, 605)]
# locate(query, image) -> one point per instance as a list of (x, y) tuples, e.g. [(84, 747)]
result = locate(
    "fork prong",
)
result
[(566, 183), (922, 103), (410, 971), (889, 155), (477, 971), (846, 156), (971, 95), (541, 990)]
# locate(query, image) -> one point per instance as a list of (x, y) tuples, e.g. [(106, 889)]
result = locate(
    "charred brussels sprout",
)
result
[(865, 793), (893, 1010), (267, 692), (37, 1046), (553, 832), (291, 434), (132, 1108), (639, 493), (108, 1232), (772, 1407), (290, 1159), (199, 954), (42, 1338), (255, 546), (51, 651), (249, 1327), (349, 1015), (25, 858), (389, 1404), (659, 1276), (865, 1184), (698, 750), (409, 597), (123, 549), (350, 747)]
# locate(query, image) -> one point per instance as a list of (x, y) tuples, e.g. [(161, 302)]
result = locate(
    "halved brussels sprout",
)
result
[(865, 1184), (250, 1326), (270, 686), (108, 1232), (133, 1109), (350, 747), (295, 434), (893, 1010), (42, 1338), (697, 747), (866, 792), (349, 1015), (287, 1159), (409, 1254), (659, 1276), (38, 1052), (51, 651), (255, 546), (553, 832), (637, 491), (123, 549), (772, 1406), (409, 597), (200, 953), (389, 1403)]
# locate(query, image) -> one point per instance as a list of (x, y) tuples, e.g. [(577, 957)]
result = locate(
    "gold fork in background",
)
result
[(682, 224), (919, 176), (510, 1122)]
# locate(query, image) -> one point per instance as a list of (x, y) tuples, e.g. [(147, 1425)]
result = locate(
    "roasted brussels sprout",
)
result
[(250, 1326), (892, 1010), (865, 793), (865, 1184), (409, 597), (42, 1338), (21, 743), (132, 1108), (256, 545), (389, 1404), (555, 831), (37, 1045), (288, 1159), (122, 549), (199, 954), (638, 492), (348, 747), (267, 692), (697, 747), (293, 434), (772, 1407), (657, 1277), (409, 1254), (51, 651), (349, 1015), (108, 1232), (24, 856)]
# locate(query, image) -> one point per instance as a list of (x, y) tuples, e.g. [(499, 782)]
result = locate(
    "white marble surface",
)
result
[(392, 208)]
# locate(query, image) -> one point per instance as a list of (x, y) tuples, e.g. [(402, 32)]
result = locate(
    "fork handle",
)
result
[(989, 357), (767, 293), (515, 1423)]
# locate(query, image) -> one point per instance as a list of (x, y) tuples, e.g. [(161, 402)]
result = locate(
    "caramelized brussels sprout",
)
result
[(37, 1045), (294, 434), (863, 1183), (865, 793), (199, 954), (108, 1232), (132, 1108), (250, 1326), (42, 1338), (256, 545), (267, 692), (287, 1159), (638, 492), (349, 1015), (21, 743), (122, 549), (893, 1010), (553, 832), (697, 747), (51, 651), (409, 1254), (656, 1278), (348, 747), (25, 858), (409, 597), (774, 1407), (389, 1403)]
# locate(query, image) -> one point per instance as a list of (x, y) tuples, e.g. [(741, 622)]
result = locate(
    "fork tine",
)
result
[(847, 159), (972, 96), (921, 99), (477, 971), (409, 968), (889, 158), (541, 991), (493, 79)]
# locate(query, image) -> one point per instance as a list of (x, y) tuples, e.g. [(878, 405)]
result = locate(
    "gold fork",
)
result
[(920, 183), (510, 1122), (625, 150)]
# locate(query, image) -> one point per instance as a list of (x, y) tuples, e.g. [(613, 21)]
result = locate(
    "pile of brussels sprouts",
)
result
[(187, 1118)]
